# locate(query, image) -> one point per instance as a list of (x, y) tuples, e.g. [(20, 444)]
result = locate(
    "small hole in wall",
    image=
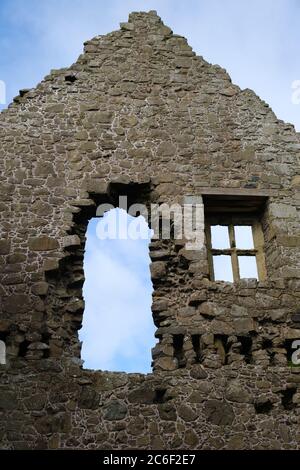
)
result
[(267, 343), (160, 395), (287, 398), (23, 348), (3, 335), (70, 78), (196, 347), (178, 350), (246, 347), (263, 407), (118, 330), (46, 353)]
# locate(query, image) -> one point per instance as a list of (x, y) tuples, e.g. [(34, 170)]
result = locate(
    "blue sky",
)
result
[(118, 330), (257, 42)]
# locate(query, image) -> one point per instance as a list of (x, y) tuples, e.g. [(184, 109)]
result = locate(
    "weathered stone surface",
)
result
[(142, 395), (96, 185), (166, 149), (167, 412), (283, 211), (158, 270), (247, 154), (291, 333), (36, 402), (50, 264), (159, 305), (211, 310), (102, 117), (278, 315), (127, 26), (198, 372), (296, 181), (71, 240), (191, 439), (43, 243), (167, 363), (186, 413), (8, 400), (187, 311), (40, 288), (128, 121), (107, 382), (237, 393), (197, 298), (59, 422), (16, 258), (219, 412), (243, 325), (17, 303), (44, 169), (88, 398), (4, 247), (115, 410), (54, 108), (238, 311)]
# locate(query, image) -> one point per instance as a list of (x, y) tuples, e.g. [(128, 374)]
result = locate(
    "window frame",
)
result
[(258, 241)]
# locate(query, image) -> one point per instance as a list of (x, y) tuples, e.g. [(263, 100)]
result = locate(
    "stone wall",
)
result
[(140, 114)]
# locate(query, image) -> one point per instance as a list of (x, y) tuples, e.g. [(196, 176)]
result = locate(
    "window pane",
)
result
[(243, 237), (248, 267), (219, 236), (223, 268)]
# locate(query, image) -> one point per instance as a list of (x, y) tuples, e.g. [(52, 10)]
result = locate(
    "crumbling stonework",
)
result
[(140, 114)]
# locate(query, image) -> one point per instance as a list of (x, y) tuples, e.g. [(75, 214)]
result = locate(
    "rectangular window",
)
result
[(234, 234), (235, 248)]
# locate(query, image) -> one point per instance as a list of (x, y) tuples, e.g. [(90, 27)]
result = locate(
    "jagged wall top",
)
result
[(146, 28)]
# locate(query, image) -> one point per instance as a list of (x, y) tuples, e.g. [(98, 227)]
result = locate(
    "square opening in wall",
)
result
[(244, 237), (219, 237), (222, 268), (248, 267)]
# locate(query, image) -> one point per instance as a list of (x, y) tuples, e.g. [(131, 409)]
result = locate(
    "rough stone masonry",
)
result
[(140, 114)]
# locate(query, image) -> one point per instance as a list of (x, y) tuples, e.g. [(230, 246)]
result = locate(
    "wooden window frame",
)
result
[(233, 251)]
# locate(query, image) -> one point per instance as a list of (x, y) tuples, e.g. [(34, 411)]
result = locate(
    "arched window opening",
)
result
[(118, 331)]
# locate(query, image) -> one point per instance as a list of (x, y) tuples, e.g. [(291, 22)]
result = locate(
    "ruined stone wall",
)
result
[(140, 114)]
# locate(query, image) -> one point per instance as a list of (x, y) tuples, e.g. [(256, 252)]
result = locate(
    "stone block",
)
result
[(243, 325), (4, 247), (158, 270), (17, 303), (237, 393), (43, 243), (114, 410), (40, 288), (219, 413), (282, 211)]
